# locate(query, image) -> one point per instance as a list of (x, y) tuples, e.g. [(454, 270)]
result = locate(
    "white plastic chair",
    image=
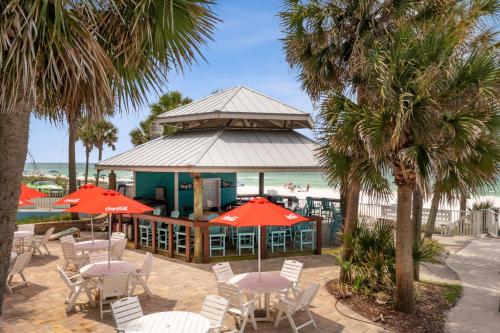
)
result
[(143, 274), (76, 284), (112, 288), (214, 308), (67, 239), (118, 248), (71, 257), (116, 236), (26, 227), (291, 306), (18, 267), (96, 257), (238, 308), (41, 241), (125, 310), (291, 270), (222, 271)]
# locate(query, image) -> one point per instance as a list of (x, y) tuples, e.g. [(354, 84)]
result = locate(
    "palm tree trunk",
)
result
[(417, 204), (98, 171), (14, 132), (463, 203), (72, 158), (431, 221), (405, 301), (343, 202), (87, 154), (350, 224)]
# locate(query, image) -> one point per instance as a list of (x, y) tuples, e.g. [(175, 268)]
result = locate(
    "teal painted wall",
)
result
[(145, 183)]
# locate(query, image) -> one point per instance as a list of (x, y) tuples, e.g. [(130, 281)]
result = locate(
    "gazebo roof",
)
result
[(239, 107), (220, 150)]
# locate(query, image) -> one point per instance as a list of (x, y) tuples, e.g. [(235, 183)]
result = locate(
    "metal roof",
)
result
[(220, 150), (238, 103)]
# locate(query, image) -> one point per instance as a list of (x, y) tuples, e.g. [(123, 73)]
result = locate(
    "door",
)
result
[(211, 193)]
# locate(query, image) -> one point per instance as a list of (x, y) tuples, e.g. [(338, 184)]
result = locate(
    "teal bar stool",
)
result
[(304, 236), (327, 208), (162, 235), (217, 238), (145, 232), (277, 239), (246, 239)]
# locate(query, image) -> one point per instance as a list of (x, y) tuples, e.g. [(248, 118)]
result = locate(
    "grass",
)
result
[(451, 293), (333, 251), (39, 219)]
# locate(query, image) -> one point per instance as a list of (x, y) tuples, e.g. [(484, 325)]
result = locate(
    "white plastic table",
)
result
[(101, 269), (22, 235), (264, 283), (170, 322), (98, 245)]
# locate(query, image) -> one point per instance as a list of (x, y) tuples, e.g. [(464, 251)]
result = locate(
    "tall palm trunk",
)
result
[(463, 203), (404, 251), (350, 224), (417, 204), (14, 131), (87, 155), (72, 158), (99, 157), (343, 202), (431, 220)]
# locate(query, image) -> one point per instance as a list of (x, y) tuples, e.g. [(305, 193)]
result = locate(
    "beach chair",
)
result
[(125, 310), (116, 236), (290, 306), (214, 308), (112, 288), (67, 239), (142, 276), (71, 257), (18, 267), (39, 242), (76, 284), (118, 248), (222, 271), (291, 270), (238, 308)]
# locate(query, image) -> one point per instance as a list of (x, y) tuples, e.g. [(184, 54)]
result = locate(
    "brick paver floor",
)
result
[(176, 285)]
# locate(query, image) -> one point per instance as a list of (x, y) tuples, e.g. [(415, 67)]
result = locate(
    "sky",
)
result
[(246, 50)]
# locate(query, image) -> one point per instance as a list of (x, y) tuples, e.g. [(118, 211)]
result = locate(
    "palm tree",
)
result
[(167, 102), (434, 101), (79, 57), (104, 134), (85, 134)]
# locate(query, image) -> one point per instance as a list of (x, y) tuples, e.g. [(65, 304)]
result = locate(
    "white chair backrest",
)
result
[(118, 236), (147, 265), (21, 262), (115, 285), (67, 239), (232, 293), (47, 235), (223, 271), (306, 297), (125, 310), (26, 227), (65, 278), (118, 248), (95, 257), (291, 270), (68, 250), (214, 308)]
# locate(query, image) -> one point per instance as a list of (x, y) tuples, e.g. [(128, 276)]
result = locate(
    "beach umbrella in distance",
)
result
[(109, 202), (259, 212), (85, 192), (29, 193), (24, 202)]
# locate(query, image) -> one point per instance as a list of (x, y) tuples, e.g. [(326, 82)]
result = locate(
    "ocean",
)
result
[(314, 179)]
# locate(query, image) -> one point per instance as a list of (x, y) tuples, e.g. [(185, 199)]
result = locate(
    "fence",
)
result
[(46, 204)]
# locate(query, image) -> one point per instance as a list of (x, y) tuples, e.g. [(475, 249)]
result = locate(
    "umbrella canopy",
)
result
[(87, 191), (24, 202), (259, 212), (29, 193), (110, 202)]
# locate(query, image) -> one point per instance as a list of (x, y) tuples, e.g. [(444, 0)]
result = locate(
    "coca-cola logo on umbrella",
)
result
[(291, 216), (116, 209), (229, 218), (69, 200)]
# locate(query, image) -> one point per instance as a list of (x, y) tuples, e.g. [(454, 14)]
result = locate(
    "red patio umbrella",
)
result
[(259, 212), (110, 202), (24, 202), (85, 192), (29, 193)]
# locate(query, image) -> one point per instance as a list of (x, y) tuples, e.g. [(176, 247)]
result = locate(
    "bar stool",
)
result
[(145, 232)]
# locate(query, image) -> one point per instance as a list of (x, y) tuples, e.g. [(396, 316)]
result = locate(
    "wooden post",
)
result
[(261, 184), (120, 222), (206, 249), (136, 233), (198, 217), (170, 240), (112, 180), (263, 242), (153, 235), (188, 244)]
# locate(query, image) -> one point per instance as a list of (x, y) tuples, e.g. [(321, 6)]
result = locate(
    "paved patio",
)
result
[(176, 286)]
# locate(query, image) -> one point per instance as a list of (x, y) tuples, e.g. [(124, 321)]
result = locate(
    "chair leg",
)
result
[(312, 319), (46, 249), (279, 316), (244, 323), (252, 317), (146, 288), (89, 295), (292, 323)]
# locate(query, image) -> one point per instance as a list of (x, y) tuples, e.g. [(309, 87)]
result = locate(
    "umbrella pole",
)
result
[(258, 250), (109, 241), (92, 227)]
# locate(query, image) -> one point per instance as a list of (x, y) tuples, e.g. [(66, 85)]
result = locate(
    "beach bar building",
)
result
[(192, 174)]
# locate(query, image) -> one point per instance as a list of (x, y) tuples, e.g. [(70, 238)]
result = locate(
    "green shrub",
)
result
[(39, 219)]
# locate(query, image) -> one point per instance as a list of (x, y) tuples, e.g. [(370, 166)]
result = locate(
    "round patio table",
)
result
[(169, 322), (22, 234), (98, 245), (261, 283), (101, 269)]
